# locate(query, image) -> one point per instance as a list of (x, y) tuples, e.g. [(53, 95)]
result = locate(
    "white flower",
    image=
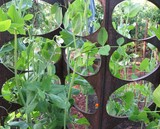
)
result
[(59, 40)]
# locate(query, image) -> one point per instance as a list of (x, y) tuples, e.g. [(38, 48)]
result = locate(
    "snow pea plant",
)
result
[(45, 102), (150, 117)]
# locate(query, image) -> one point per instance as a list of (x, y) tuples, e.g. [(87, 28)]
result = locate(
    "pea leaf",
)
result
[(134, 10), (102, 36), (67, 37), (38, 126), (14, 15), (21, 124), (87, 46), (54, 8), (128, 98), (156, 96), (57, 101), (104, 50), (5, 25), (77, 23), (58, 16), (152, 125), (120, 41), (144, 64), (3, 15), (17, 21), (28, 17), (82, 121), (31, 107), (66, 20), (156, 31), (152, 47), (6, 48)]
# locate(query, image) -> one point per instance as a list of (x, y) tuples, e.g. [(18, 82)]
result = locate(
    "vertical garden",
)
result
[(80, 64)]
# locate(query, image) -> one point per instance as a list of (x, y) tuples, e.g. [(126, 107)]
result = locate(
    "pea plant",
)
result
[(127, 18), (130, 96), (133, 60), (127, 65), (45, 102), (149, 117)]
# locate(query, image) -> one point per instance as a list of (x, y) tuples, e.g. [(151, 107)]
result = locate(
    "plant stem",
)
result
[(15, 56), (65, 117), (74, 39), (28, 117), (15, 65), (69, 93), (72, 80), (68, 60)]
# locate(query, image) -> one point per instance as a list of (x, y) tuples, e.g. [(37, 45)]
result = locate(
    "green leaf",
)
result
[(77, 23), (67, 37), (3, 15), (144, 64), (5, 25), (75, 91), (102, 36), (58, 101), (143, 117), (156, 96), (54, 8), (120, 41), (66, 20), (58, 16), (134, 115), (114, 25), (42, 106), (122, 51), (21, 124), (104, 50), (113, 107), (87, 46), (17, 25), (156, 31), (31, 86), (38, 126), (56, 89), (31, 107), (46, 83), (31, 101), (82, 121), (41, 94), (134, 10), (152, 47), (139, 116), (17, 21), (28, 17), (6, 48), (57, 11), (128, 98), (14, 15), (152, 125)]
